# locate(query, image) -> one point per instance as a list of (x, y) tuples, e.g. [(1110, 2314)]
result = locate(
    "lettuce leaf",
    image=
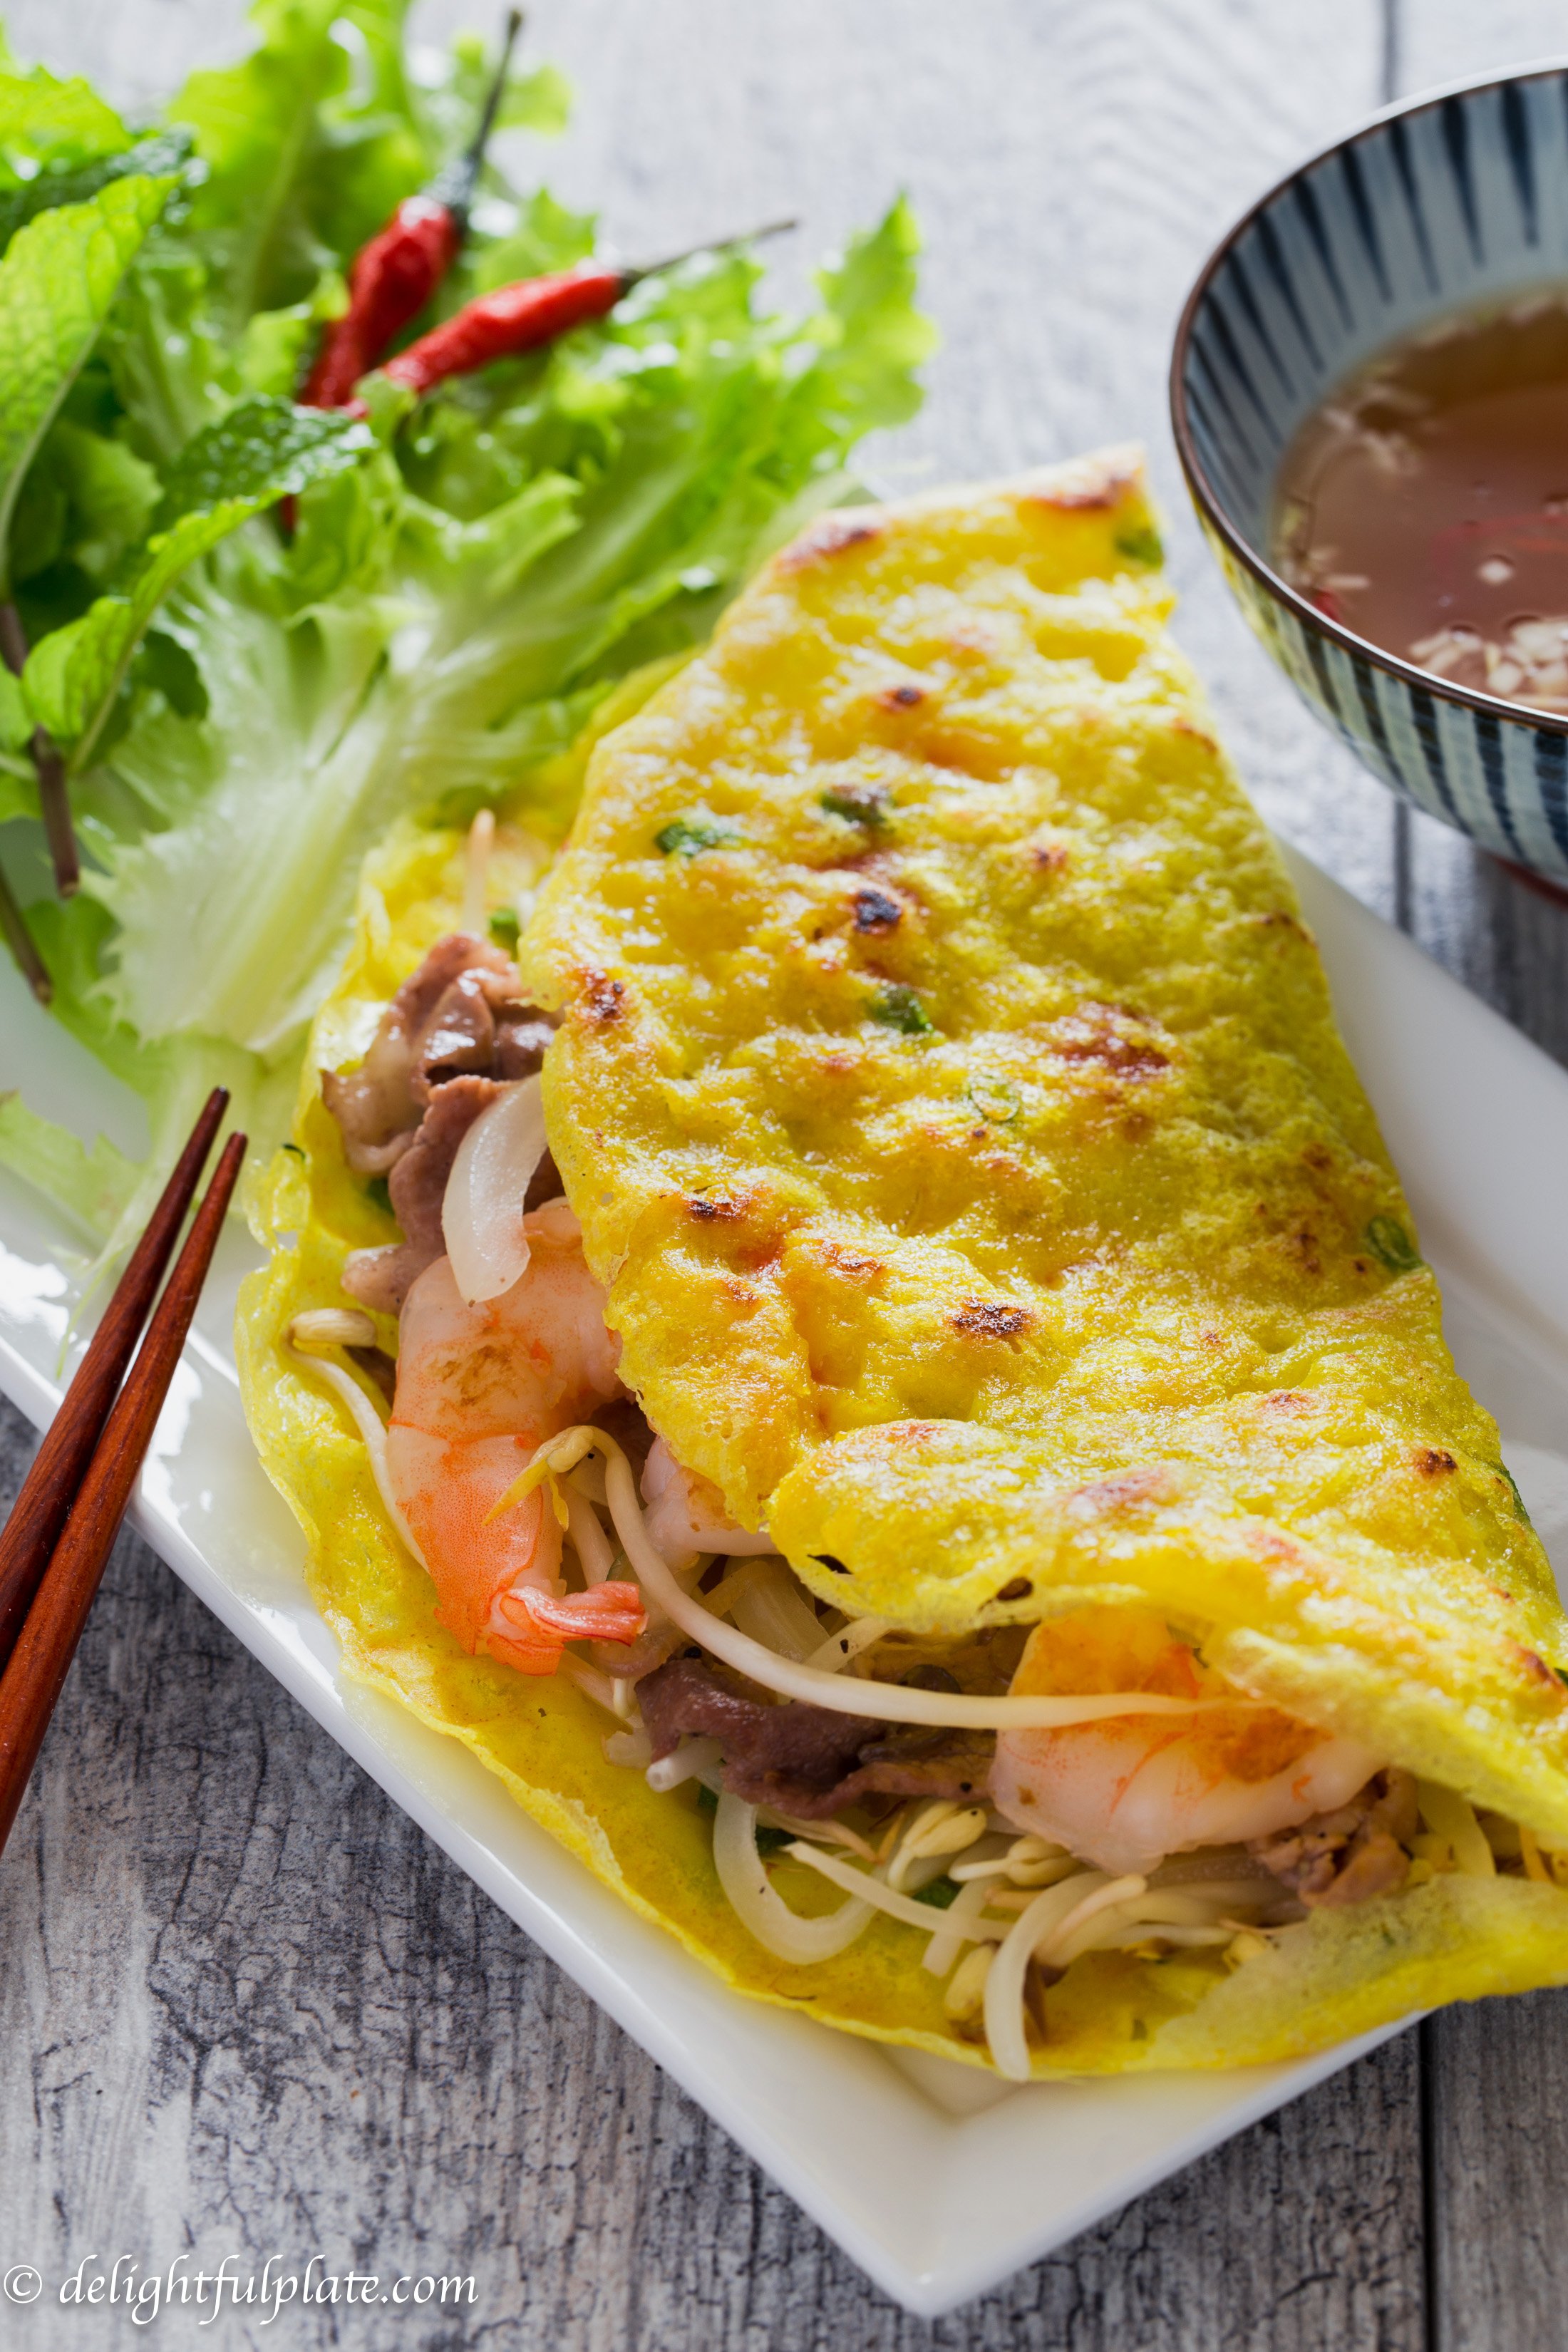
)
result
[(58, 277), (93, 1184), (472, 584)]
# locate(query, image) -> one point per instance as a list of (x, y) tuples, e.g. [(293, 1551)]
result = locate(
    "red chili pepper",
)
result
[(397, 272), (534, 310), (517, 318), (393, 277)]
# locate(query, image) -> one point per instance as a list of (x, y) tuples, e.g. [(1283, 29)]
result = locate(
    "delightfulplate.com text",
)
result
[(143, 2294)]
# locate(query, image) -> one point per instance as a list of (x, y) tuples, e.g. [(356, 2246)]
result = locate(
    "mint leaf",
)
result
[(110, 494), (57, 279), (78, 183), (263, 450)]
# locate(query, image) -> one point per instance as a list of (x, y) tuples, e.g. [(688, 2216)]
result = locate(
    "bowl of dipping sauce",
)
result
[(1370, 395)]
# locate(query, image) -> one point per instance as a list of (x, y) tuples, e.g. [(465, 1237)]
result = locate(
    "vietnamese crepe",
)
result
[(947, 1099)]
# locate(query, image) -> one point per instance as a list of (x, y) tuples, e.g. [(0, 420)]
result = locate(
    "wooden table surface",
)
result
[(245, 2007)]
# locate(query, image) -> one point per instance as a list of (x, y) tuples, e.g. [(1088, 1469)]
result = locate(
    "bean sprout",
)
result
[(888, 1702)]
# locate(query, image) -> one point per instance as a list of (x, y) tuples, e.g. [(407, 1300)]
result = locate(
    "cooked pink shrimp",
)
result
[(479, 1389), (1125, 1792), (686, 1513)]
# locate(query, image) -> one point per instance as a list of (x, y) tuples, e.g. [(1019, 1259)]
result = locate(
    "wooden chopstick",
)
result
[(38, 1666), (40, 1511)]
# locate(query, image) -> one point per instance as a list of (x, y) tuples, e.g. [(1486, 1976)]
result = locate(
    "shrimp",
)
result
[(1125, 1792), (479, 1391), (686, 1513)]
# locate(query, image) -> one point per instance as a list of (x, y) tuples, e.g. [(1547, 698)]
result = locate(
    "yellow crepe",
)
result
[(1100, 1281), (1092, 1278)]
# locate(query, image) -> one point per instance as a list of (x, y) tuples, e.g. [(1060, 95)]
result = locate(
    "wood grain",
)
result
[(1496, 2089), (244, 2006)]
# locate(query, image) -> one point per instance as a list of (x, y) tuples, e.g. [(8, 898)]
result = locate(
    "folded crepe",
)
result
[(1106, 1587)]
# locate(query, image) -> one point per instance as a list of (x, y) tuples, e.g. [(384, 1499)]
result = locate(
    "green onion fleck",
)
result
[(773, 1841), (898, 1007), (1504, 1472), (1141, 544), (941, 1894), (1388, 1239), (995, 1100), (377, 1191), (682, 838), (505, 927), (860, 804)]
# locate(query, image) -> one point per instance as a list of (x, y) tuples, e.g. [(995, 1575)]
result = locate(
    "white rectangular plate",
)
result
[(938, 2182)]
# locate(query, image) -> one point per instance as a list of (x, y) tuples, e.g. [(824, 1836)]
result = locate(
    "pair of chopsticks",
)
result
[(56, 1544)]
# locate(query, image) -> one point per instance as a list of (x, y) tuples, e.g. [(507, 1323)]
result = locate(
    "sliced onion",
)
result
[(693, 1760), (481, 1215), (763, 1912), (770, 1607)]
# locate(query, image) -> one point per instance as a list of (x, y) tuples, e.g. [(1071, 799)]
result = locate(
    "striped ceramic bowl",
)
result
[(1451, 200)]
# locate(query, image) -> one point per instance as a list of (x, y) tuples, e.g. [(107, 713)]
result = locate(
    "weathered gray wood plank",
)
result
[(246, 2009), (1496, 2076), (243, 2005)]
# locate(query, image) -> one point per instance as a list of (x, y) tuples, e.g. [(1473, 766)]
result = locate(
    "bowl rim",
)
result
[(1203, 493)]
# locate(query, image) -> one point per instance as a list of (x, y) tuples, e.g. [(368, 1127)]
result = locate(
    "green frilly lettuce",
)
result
[(248, 698)]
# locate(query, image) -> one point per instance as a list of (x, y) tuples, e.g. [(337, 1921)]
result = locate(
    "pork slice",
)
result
[(1346, 1856), (382, 1279), (522, 1032), (458, 1039), (803, 1759), (377, 1106)]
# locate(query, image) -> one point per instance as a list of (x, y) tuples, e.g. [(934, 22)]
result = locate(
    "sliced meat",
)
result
[(382, 1279), (1350, 1855), (375, 1105), (806, 1760), (458, 1040), (522, 1035), (461, 1014)]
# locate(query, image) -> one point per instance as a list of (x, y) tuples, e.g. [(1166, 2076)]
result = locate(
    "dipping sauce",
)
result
[(1426, 505)]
